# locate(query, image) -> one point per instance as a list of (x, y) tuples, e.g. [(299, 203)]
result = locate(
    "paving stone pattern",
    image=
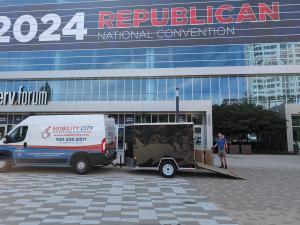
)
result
[(31, 199)]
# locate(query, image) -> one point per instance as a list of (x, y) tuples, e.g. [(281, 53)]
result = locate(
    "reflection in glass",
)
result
[(95, 90), (197, 88), (153, 89), (163, 118), (128, 89), (103, 90), (188, 88), (162, 83), (171, 89), (215, 90), (206, 88), (76, 88), (111, 87)]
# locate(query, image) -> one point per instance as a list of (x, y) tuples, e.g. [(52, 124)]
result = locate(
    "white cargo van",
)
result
[(79, 141)]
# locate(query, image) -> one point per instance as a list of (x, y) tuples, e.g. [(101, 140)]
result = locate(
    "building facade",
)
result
[(126, 58)]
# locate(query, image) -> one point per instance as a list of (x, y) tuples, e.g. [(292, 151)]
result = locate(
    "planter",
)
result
[(234, 149), (246, 149)]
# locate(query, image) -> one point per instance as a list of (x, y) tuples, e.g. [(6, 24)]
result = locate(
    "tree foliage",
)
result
[(239, 120)]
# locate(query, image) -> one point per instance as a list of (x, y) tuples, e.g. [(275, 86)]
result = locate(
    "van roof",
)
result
[(63, 119)]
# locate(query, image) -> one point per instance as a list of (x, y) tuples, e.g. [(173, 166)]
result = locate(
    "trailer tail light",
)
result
[(103, 146)]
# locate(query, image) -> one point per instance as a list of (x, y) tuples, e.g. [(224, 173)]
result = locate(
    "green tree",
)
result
[(239, 120)]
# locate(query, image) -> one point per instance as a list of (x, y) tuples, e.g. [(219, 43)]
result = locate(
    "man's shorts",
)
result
[(222, 152)]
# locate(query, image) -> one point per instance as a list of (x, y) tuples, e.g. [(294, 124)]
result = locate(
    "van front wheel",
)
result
[(81, 166), (5, 164)]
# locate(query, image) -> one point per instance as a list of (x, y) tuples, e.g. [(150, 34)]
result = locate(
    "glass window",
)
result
[(206, 88), (18, 135), (121, 118), (296, 135), (188, 118), (144, 89), (296, 121), (40, 85), (111, 87), (224, 90), (182, 118), (153, 89), (154, 118), (163, 118), (32, 85), (162, 89), (103, 90), (215, 90), (138, 118), (188, 88), (171, 85), (197, 119), (87, 90), (120, 90), (95, 90), (2, 85), (233, 85), (243, 95), (197, 88), (63, 90), (129, 119), (147, 118), (180, 85), (136, 90), (75, 90), (17, 85), (128, 90), (54, 84), (172, 118)]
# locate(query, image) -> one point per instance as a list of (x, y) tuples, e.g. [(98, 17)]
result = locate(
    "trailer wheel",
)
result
[(168, 169), (81, 165), (5, 164)]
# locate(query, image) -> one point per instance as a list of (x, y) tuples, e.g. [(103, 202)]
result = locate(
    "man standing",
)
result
[(221, 143)]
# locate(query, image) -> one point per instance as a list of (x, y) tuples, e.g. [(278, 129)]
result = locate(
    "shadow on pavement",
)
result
[(116, 172)]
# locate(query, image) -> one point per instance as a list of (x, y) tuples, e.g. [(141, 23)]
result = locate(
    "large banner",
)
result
[(144, 23)]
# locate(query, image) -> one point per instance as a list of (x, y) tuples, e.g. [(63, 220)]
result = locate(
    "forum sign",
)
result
[(144, 23), (24, 98)]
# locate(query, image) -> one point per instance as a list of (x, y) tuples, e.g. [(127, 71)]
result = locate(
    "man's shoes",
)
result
[(221, 166), (225, 166)]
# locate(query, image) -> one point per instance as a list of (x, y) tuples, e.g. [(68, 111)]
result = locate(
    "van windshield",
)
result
[(18, 135)]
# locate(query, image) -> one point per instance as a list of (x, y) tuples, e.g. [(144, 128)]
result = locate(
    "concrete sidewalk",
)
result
[(262, 161)]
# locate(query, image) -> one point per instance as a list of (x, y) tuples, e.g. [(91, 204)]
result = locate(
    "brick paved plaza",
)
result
[(268, 196)]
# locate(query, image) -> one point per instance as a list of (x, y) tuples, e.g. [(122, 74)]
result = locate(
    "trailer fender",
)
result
[(167, 159)]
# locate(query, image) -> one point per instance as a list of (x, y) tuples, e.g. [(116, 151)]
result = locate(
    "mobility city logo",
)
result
[(169, 23), (46, 133)]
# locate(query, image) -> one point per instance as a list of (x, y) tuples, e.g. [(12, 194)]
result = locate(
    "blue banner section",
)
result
[(143, 23)]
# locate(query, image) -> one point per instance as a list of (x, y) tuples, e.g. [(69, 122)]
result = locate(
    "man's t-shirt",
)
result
[(221, 142)]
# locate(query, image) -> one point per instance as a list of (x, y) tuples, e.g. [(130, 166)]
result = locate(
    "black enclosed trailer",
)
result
[(167, 147)]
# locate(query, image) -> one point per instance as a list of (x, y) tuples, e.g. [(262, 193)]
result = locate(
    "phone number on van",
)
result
[(70, 139)]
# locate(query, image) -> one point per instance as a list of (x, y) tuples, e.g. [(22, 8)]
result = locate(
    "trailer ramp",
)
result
[(221, 171)]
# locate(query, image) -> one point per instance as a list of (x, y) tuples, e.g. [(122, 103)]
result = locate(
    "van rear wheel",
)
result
[(168, 169), (81, 166), (5, 164)]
